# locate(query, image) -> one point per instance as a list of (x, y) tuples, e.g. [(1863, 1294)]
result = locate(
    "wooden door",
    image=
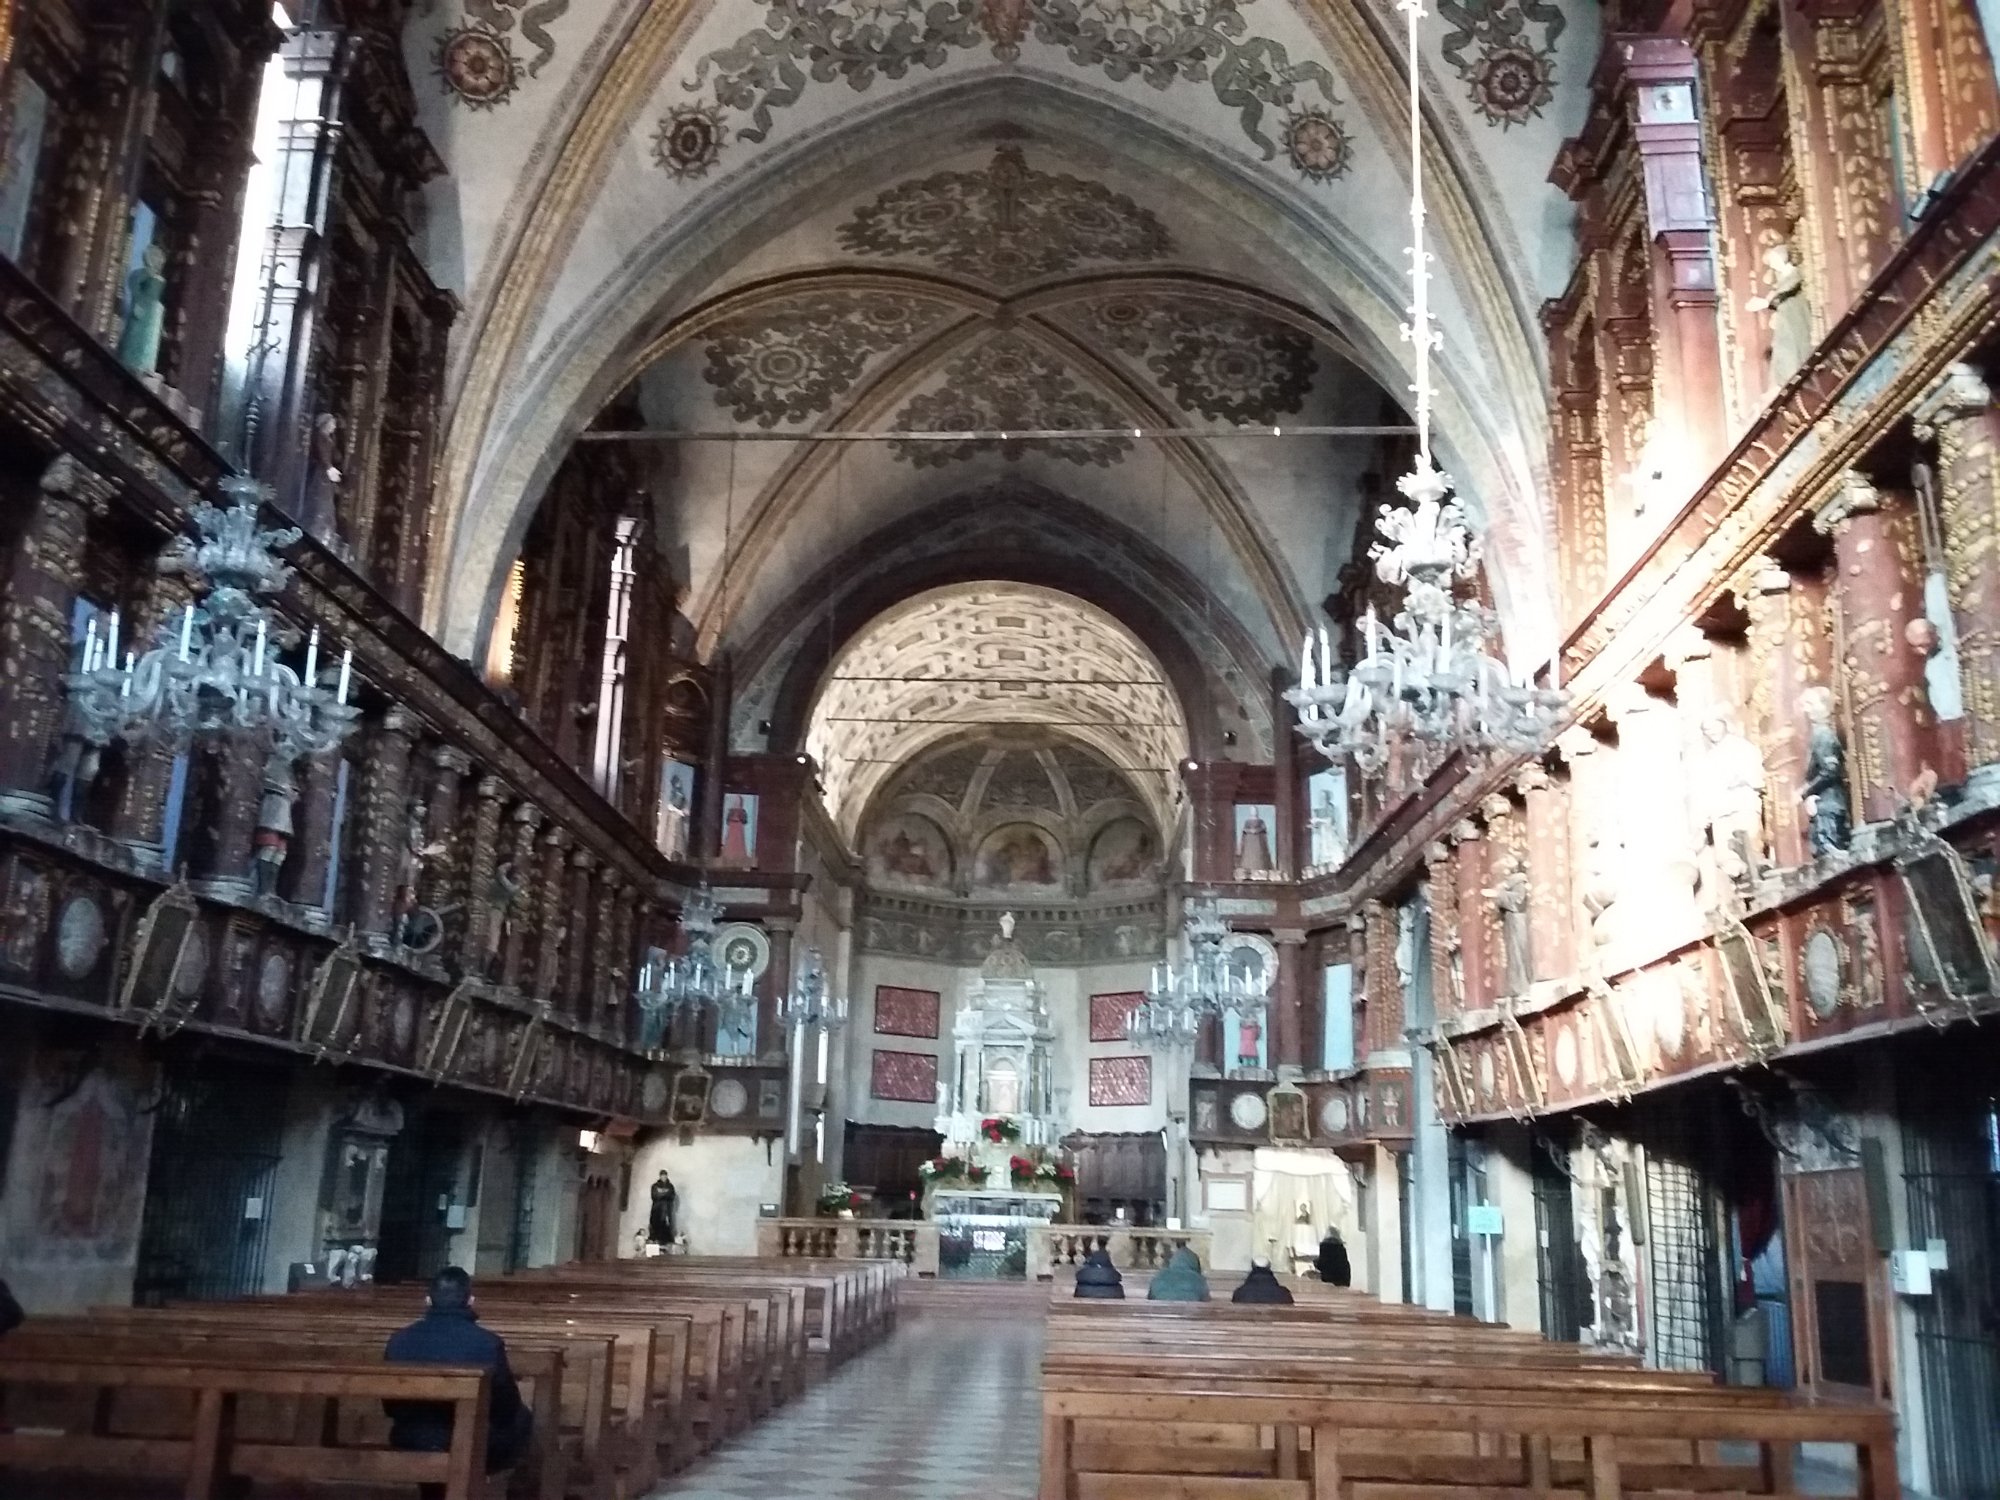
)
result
[(1839, 1290)]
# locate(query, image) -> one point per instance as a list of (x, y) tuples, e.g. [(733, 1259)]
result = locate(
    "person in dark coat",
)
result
[(11, 1316), (449, 1334), (1097, 1277), (1182, 1280), (1331, 1263), (1261, 1285)]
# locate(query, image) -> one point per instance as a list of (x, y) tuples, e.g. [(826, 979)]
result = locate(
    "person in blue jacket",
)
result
[(449, 1334)]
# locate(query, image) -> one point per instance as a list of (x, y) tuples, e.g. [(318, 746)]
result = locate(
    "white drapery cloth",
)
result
[(1281, 1181)]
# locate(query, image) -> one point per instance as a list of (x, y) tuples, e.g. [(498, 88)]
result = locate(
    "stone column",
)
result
[(1958, 414), (1551, 925), (1469, 885), (1441, 863), (1878, 591), (558, 925), (518, 946), (42, 578), (385, 819), (1288, 1000)]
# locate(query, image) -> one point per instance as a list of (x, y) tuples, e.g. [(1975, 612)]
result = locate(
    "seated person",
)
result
[(1182, 1280), (449, 1334), (1261, 1285), (1098, 1278)]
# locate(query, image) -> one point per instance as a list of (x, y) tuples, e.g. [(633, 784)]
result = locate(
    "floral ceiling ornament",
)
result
[(1009, 383), (1511, 72), (690, 139), (1230, 365), (1162, 42), (1006, 224), (475, 60), (785, 363), (1317, 145)]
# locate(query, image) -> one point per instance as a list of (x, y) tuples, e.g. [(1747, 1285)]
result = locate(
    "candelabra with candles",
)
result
[(686, 984), (811, 1003), (1426, 679), (1182, 998), (214, 667)]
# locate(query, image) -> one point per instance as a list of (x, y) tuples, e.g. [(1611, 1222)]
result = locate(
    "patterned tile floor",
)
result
[(946, 1409)]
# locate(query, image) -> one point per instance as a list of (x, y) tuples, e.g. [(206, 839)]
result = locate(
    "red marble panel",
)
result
[(1109, 1013), (1121, 1080), (907, 1076), (905, 1012)]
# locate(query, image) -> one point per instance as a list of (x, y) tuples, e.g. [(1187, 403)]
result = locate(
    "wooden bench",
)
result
[(202, 1427)]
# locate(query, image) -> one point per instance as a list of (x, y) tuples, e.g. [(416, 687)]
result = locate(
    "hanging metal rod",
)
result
[(988, 435)]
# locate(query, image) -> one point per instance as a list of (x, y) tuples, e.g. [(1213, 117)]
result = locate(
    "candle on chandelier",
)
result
[(125, 688), (346, 667), (257, 658), (187, 630), (111, 640), (1325, 657), (312, 657), (90, 643)]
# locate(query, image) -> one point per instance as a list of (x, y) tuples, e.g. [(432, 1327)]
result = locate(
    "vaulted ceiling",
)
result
[(776, 218)]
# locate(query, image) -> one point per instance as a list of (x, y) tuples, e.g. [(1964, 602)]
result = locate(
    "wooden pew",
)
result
[(217, 1439)]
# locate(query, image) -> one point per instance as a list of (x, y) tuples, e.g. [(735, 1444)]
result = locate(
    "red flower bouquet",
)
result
[(998, 1130)]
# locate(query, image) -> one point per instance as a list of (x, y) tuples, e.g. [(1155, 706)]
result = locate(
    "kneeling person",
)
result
[(449, 1334)]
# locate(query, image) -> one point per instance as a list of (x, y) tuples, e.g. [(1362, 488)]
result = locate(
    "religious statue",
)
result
[(1006, 927), (1602, 871), (321, 512), (1829, 815), (660, 1221), (1253, 848), (417, 927), (273, 836), (1511, 895), (1732, 793), (145, 313), (1791, 314), (1249, 1043), (1325, 832), (500, 898)]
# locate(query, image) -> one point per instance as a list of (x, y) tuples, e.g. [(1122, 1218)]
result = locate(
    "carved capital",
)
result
[(1465, 831), (1495, 807), (583, 859), (1437, 853), (1961, 392), (399, 723), (528, 816), (1533, 777), (1576, 742), (490, 789), (557, 838), (69, 479), (452, 759), (1854, 494)]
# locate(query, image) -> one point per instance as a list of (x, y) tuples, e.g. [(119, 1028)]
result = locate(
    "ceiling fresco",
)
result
[(995, 654), (793, 359), (1009, 382), (1006, 224)]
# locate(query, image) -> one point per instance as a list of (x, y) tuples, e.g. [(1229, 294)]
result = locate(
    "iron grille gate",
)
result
[(1458, 1170), (1558, 1258), (1952, 1173), (1684, 1279), (207, 1225)]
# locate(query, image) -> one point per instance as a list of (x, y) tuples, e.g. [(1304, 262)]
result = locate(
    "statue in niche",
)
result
[(145, 313), (1732, 790), (1511, 894), (273, 836), (500, 898), (1603, 863), (321, 511), (1829, 815), (660, 1218), (1791, 315), (417, 927)]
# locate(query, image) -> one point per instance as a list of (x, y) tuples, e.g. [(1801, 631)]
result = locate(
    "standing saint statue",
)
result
[(660, 1220), (1791, 314), (1830, 818), (145, 313), (1511, 895), (1732, 793)]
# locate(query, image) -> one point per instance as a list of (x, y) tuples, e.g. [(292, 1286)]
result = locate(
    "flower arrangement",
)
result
[(836, 1198), (1022, 1170), (999, 1131), (951, 1169), (1057, 1173)]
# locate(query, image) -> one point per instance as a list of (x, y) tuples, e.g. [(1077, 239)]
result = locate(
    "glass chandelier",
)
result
[(689, 983), (1182, 998), (810, 1002), (1426, 679), (215, 667)]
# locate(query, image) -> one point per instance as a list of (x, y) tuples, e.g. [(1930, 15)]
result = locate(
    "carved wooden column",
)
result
[(1958, 415), (1949, 69), (1845, 156), (1469, 886), (706, 843), (583, 910), (149, 764), (475, 952), (444, 876), (42, 578), (1288, 999), (226, 783), (1878, 590), (1505, 841), (1580, 499), (1551, 929), (1385, 991), (558, 926), (518, 946), (385, 818), (6, 67), (1790, 651), (1441, 863), (604, 974)]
